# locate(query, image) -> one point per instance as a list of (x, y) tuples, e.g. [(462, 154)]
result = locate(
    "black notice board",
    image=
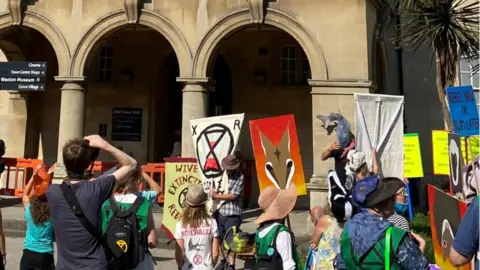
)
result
[(127, 124)]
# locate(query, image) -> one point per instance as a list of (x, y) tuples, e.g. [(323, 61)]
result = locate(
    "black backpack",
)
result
[(125, 241), (270, 261)]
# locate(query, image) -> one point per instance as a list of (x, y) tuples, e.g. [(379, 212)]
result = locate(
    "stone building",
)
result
[(169, 61)]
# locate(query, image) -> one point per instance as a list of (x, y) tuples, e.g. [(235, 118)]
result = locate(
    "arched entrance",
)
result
[(31, 119), (220, 99), (132, 98), (267, 76)]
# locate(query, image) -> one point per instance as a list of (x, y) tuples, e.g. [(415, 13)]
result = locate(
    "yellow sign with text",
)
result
[(412, 164), (441, 163), (473, 149), (179, 175)]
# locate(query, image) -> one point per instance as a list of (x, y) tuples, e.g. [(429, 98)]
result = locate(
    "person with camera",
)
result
[(76, 203)]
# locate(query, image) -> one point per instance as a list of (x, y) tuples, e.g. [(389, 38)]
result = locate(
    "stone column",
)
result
[(72, 118), (194, 106), (329, 96)]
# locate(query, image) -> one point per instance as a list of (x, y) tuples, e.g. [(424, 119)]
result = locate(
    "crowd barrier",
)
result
[(19, 170), (16, 175)]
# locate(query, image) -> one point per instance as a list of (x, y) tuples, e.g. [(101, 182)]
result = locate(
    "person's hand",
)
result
[(405, 181), (420, 240), (96, 141), (52, 168), (334, 146), (314, 246), (212, 192), (35, 172)]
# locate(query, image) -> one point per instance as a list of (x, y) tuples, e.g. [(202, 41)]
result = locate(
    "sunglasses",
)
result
[(402, 193)]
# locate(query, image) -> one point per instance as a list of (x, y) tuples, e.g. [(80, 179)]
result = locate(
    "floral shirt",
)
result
[(328, 246)]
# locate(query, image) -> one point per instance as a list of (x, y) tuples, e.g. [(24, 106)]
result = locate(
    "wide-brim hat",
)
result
[(230, 162), (385, 189), (196, 196), (276, 203)]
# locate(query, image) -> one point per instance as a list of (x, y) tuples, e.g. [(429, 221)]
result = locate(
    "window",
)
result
[(295, 68), (470, 77), (105, 64), (288, 65), (467, 76)]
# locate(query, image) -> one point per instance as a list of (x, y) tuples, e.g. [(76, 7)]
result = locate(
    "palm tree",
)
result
[(450, 28)]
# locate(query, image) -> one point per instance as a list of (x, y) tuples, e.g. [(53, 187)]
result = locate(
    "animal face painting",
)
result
[(279, 166), (277, 153), (445, 215), (455, 159), (471, 180)]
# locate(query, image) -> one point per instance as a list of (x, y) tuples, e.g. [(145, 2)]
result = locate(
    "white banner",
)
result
[(379, 124), (214, 138)]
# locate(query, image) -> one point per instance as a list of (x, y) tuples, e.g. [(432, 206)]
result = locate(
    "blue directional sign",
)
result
[(463, 110), (23, 76)]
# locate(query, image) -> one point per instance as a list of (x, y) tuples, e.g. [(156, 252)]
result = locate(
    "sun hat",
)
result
[(196, 196), (276, 203), (230, 162), (371, 191), (355, 160)]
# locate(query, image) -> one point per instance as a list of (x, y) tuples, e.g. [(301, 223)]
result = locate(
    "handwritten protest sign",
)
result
[(463, 110), (412, 164), (180, 173), (441, 164)]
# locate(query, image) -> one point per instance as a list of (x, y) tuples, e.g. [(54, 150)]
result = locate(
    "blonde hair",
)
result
[(131, 183), (193, 216)]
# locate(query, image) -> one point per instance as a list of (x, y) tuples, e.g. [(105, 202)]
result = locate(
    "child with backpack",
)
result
[(196, 233), (128, 226), (273, 241)]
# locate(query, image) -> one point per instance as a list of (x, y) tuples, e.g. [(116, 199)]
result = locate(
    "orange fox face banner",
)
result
[(446, 212), (277, 153)]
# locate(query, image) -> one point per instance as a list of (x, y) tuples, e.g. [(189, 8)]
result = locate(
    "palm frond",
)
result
[(450, 27)]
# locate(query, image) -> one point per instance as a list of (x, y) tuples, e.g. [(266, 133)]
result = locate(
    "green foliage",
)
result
[(450, 27), (420, 224)]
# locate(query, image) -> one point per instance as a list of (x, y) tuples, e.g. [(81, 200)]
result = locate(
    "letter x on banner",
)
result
[(214, 138)]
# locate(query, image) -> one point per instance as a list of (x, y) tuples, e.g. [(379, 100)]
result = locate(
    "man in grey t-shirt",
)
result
[(76, 247)]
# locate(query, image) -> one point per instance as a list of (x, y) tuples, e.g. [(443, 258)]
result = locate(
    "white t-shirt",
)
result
[(197, 244), (284, 246)]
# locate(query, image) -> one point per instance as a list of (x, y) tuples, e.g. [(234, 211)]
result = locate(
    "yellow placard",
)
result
[(412, 164), (473, 149), (441, 163), (178, 177)]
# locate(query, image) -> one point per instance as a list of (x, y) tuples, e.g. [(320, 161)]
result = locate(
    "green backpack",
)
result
[(237, 241), (380, 256)]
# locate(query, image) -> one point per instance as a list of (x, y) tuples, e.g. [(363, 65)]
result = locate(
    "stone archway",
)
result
[(118, 19), (49, 31), (273, 17)]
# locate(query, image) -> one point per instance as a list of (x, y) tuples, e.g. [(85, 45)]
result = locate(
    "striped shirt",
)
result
[(399, 222)]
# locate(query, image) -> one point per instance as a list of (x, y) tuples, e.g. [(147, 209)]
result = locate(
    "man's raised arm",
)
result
[(127, 163)]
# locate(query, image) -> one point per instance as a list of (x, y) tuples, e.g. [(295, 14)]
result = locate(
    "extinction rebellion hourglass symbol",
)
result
[(213, 143)]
